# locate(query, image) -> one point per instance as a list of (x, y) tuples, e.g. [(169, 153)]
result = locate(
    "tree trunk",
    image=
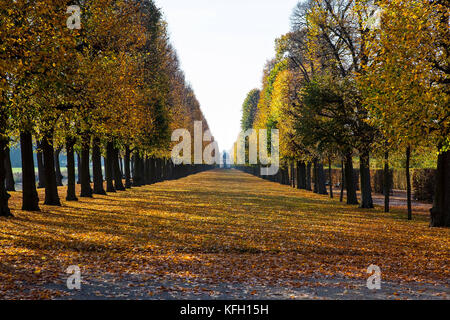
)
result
[(292, 173), (10, 184), (59, 176), (78, 168), (40, 164), (158, 170), (109, 167), (51, 189), (440, 213), (141, 170), (153, 170), (330, 180), (85, 176), (321, 186), (118, 184), (4, 196), (350, 180), (97, 167), (30, 199), (127, 168), (386, 182), (136, 171), (308, 177), (408, 182), (71, 180), (301, 175), (147, 179), (315, 176), (120, 165), (366, 188), (341, 199)]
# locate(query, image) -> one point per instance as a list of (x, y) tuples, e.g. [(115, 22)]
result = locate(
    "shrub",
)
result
[(378, 180)]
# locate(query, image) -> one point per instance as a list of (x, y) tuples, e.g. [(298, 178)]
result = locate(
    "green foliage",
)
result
[(249, 109)]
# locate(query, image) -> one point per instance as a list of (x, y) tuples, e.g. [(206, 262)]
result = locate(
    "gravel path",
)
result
[(397, 199), (143, 287)]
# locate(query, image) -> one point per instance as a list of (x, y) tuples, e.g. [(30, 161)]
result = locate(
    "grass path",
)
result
[(219, 234)]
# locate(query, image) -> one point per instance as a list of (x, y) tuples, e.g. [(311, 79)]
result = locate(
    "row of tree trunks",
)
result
[(303, 178), (49, 169)]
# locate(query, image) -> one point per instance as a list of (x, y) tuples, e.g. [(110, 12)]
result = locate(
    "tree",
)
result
[(249, 109), (408, 84)]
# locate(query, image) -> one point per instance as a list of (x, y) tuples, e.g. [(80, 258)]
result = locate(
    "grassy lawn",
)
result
[(220, 226)]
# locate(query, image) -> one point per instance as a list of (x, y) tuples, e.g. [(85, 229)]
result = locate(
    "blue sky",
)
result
[(223, 46)]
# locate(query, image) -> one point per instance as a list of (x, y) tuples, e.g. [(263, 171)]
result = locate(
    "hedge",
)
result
[(423, 181)]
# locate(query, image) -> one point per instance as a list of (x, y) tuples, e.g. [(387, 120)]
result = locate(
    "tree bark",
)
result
[(408, 182), (153, 169), (51, 188), (386, 182), (30, 198), (4, 196), (109, 167), (147, 178), (366, 188), (127, 168), (308, 176), (71, 180), (330, 174), (85, 176), (79, 168), (118, 184), (59, 176), (136, 172), (120, 164), (350, 180), (292, 173), (40, 164), (97, 167), (301, 175), (440, 213), (10, 184), (341, 199), (321, 186), (315, 177)]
